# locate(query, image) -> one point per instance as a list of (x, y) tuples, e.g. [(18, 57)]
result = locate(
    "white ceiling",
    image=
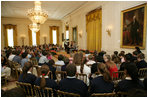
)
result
[(56, 9)]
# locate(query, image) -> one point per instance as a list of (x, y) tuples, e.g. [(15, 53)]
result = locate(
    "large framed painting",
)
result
[(75, 34), (133, 27)]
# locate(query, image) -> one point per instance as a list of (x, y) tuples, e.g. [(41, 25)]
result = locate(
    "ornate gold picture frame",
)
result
[(133, 27)]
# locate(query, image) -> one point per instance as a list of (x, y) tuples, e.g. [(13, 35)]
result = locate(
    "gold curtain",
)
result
[(30, 36), (38, 37), (15, 35), (57, 29), (50, 33), (9, 26), (94, 30)]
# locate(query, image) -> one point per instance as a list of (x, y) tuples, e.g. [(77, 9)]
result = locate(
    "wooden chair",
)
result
[(27, 88), (66, 94), (82, 77), (60, 75), (46, 92), (103, 95), (118, 75), (16, 68), (142, 72), (58, 67), (4, 78)]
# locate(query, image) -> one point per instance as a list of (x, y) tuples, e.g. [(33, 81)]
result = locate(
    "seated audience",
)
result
[(94, 69), (11, 56), (6, 71), (90, 60), (71, 58), (27, 76), (138, 50), (24, 59), (110, 65), (44, 81), (103, 83), (141, 62), (71, 84), (135, 53), (131, 81), (17, 58), (87, 53), (66, 62), (49, 56), (43, 59), (52, 68), (60, 62)]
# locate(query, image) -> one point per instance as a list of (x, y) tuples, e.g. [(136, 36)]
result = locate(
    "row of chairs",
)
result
[(36, 91)]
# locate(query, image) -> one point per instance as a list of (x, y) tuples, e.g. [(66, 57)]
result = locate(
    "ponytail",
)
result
[(103, 70), (43, 82), (44, 72)]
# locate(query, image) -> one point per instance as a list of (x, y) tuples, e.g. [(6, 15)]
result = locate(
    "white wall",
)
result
[(22, 29), (110, 16)]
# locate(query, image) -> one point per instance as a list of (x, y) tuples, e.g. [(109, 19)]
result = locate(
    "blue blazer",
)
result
[(99, 85), (30, 78), (73, 85)]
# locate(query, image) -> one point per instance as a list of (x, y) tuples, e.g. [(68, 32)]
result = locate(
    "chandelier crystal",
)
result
[(34, 27), (37, 15)]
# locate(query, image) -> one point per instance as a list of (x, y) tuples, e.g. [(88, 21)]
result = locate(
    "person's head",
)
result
[(51, 62), (18, 53), (115, 52), (44, 72), (140, 57), (90, 57), (106, 57), (66, 61), (128, 57), (131, 70), (71, 70), (138, 49), (94, 68), (87, 52), (77, 59), (14, 92), (99, 58), (60, 57), (24, 55), (27, 67), (44, 52), (135, 53), (102, 69)]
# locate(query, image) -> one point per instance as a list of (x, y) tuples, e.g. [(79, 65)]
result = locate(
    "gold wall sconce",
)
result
[(108, 30)]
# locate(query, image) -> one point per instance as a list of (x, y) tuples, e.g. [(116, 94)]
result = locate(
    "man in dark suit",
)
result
[(71, 84)]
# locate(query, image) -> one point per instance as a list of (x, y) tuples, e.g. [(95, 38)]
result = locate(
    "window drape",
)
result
[(9, 26), (37, 37), (50, 33), (94, 30)]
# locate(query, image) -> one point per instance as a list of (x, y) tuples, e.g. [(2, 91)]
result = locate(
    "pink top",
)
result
[(49, 57)]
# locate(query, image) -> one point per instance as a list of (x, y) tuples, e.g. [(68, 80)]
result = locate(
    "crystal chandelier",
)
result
[(34, 27), (37, 15)]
